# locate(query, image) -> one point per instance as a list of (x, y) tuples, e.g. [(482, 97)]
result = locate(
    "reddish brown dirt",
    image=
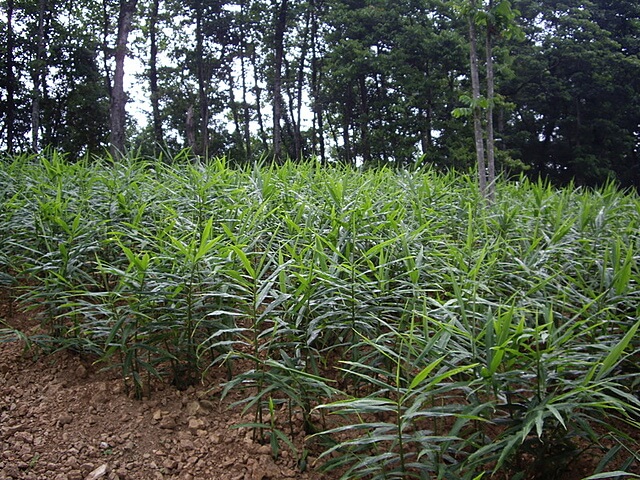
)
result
[(61, 418)]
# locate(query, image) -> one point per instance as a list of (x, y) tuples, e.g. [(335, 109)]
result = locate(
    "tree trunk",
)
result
[(118, 97), (426, 136), (203, 98), (300, 84), (106, 50), (36, 77), (290, 119), (258, 94), (346, 125), (246, 113), (280, 26), (153, 73), (245, 106), (475, 89), (11, 80), (190, 129), (364, 121), (237, 134), (491, 169), (316, 74)]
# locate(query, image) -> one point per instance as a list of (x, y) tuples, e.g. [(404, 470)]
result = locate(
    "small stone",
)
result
[(264, 449), (168, 423), (99, 472), (193, 408), (207, 405), (11, 471), (24, 436), (195, 424), (65, 419), (187, 444), (258, 475), (11, 430), (170, 464), (75, 475), (288, 473), (81, 372)]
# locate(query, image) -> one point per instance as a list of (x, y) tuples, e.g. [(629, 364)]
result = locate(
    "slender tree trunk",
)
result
[(246, 112), (292, 127), (316, 73), (153, 73), (202, 73), (346, 125), (280, 26), (364, 121), (258, 94), (11, 80), (475, 89), (426, 137), (245, 105), (190, 129), (118, 97), (237, 134), (107, 52), (300, 84), (289, 128), (491, 168), (36, 77)]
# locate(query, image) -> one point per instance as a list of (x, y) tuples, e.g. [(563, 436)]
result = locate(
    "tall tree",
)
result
[(494, 19), (153, 73), (575, 90), (491, 156), (118, 114), (70, 97), (37, 74), (317, 129), (11, 79), (280, 26), (296, 80), (203, 74), (478, 133), (389, 63)]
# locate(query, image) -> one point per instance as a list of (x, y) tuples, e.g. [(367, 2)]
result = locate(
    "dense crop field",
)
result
[(418, 333)]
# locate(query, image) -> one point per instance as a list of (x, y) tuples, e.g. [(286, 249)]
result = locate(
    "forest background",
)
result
[(365, 82)]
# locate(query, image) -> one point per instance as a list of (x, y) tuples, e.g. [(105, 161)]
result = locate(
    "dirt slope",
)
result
[(63, 419)]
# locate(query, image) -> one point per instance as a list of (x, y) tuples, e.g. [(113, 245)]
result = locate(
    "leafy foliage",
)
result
[(414, 332)]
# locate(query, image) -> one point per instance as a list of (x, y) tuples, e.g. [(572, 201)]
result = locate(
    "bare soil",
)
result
[(62, 418)]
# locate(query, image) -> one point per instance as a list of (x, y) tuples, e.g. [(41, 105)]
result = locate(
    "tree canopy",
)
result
[(371, 82)]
